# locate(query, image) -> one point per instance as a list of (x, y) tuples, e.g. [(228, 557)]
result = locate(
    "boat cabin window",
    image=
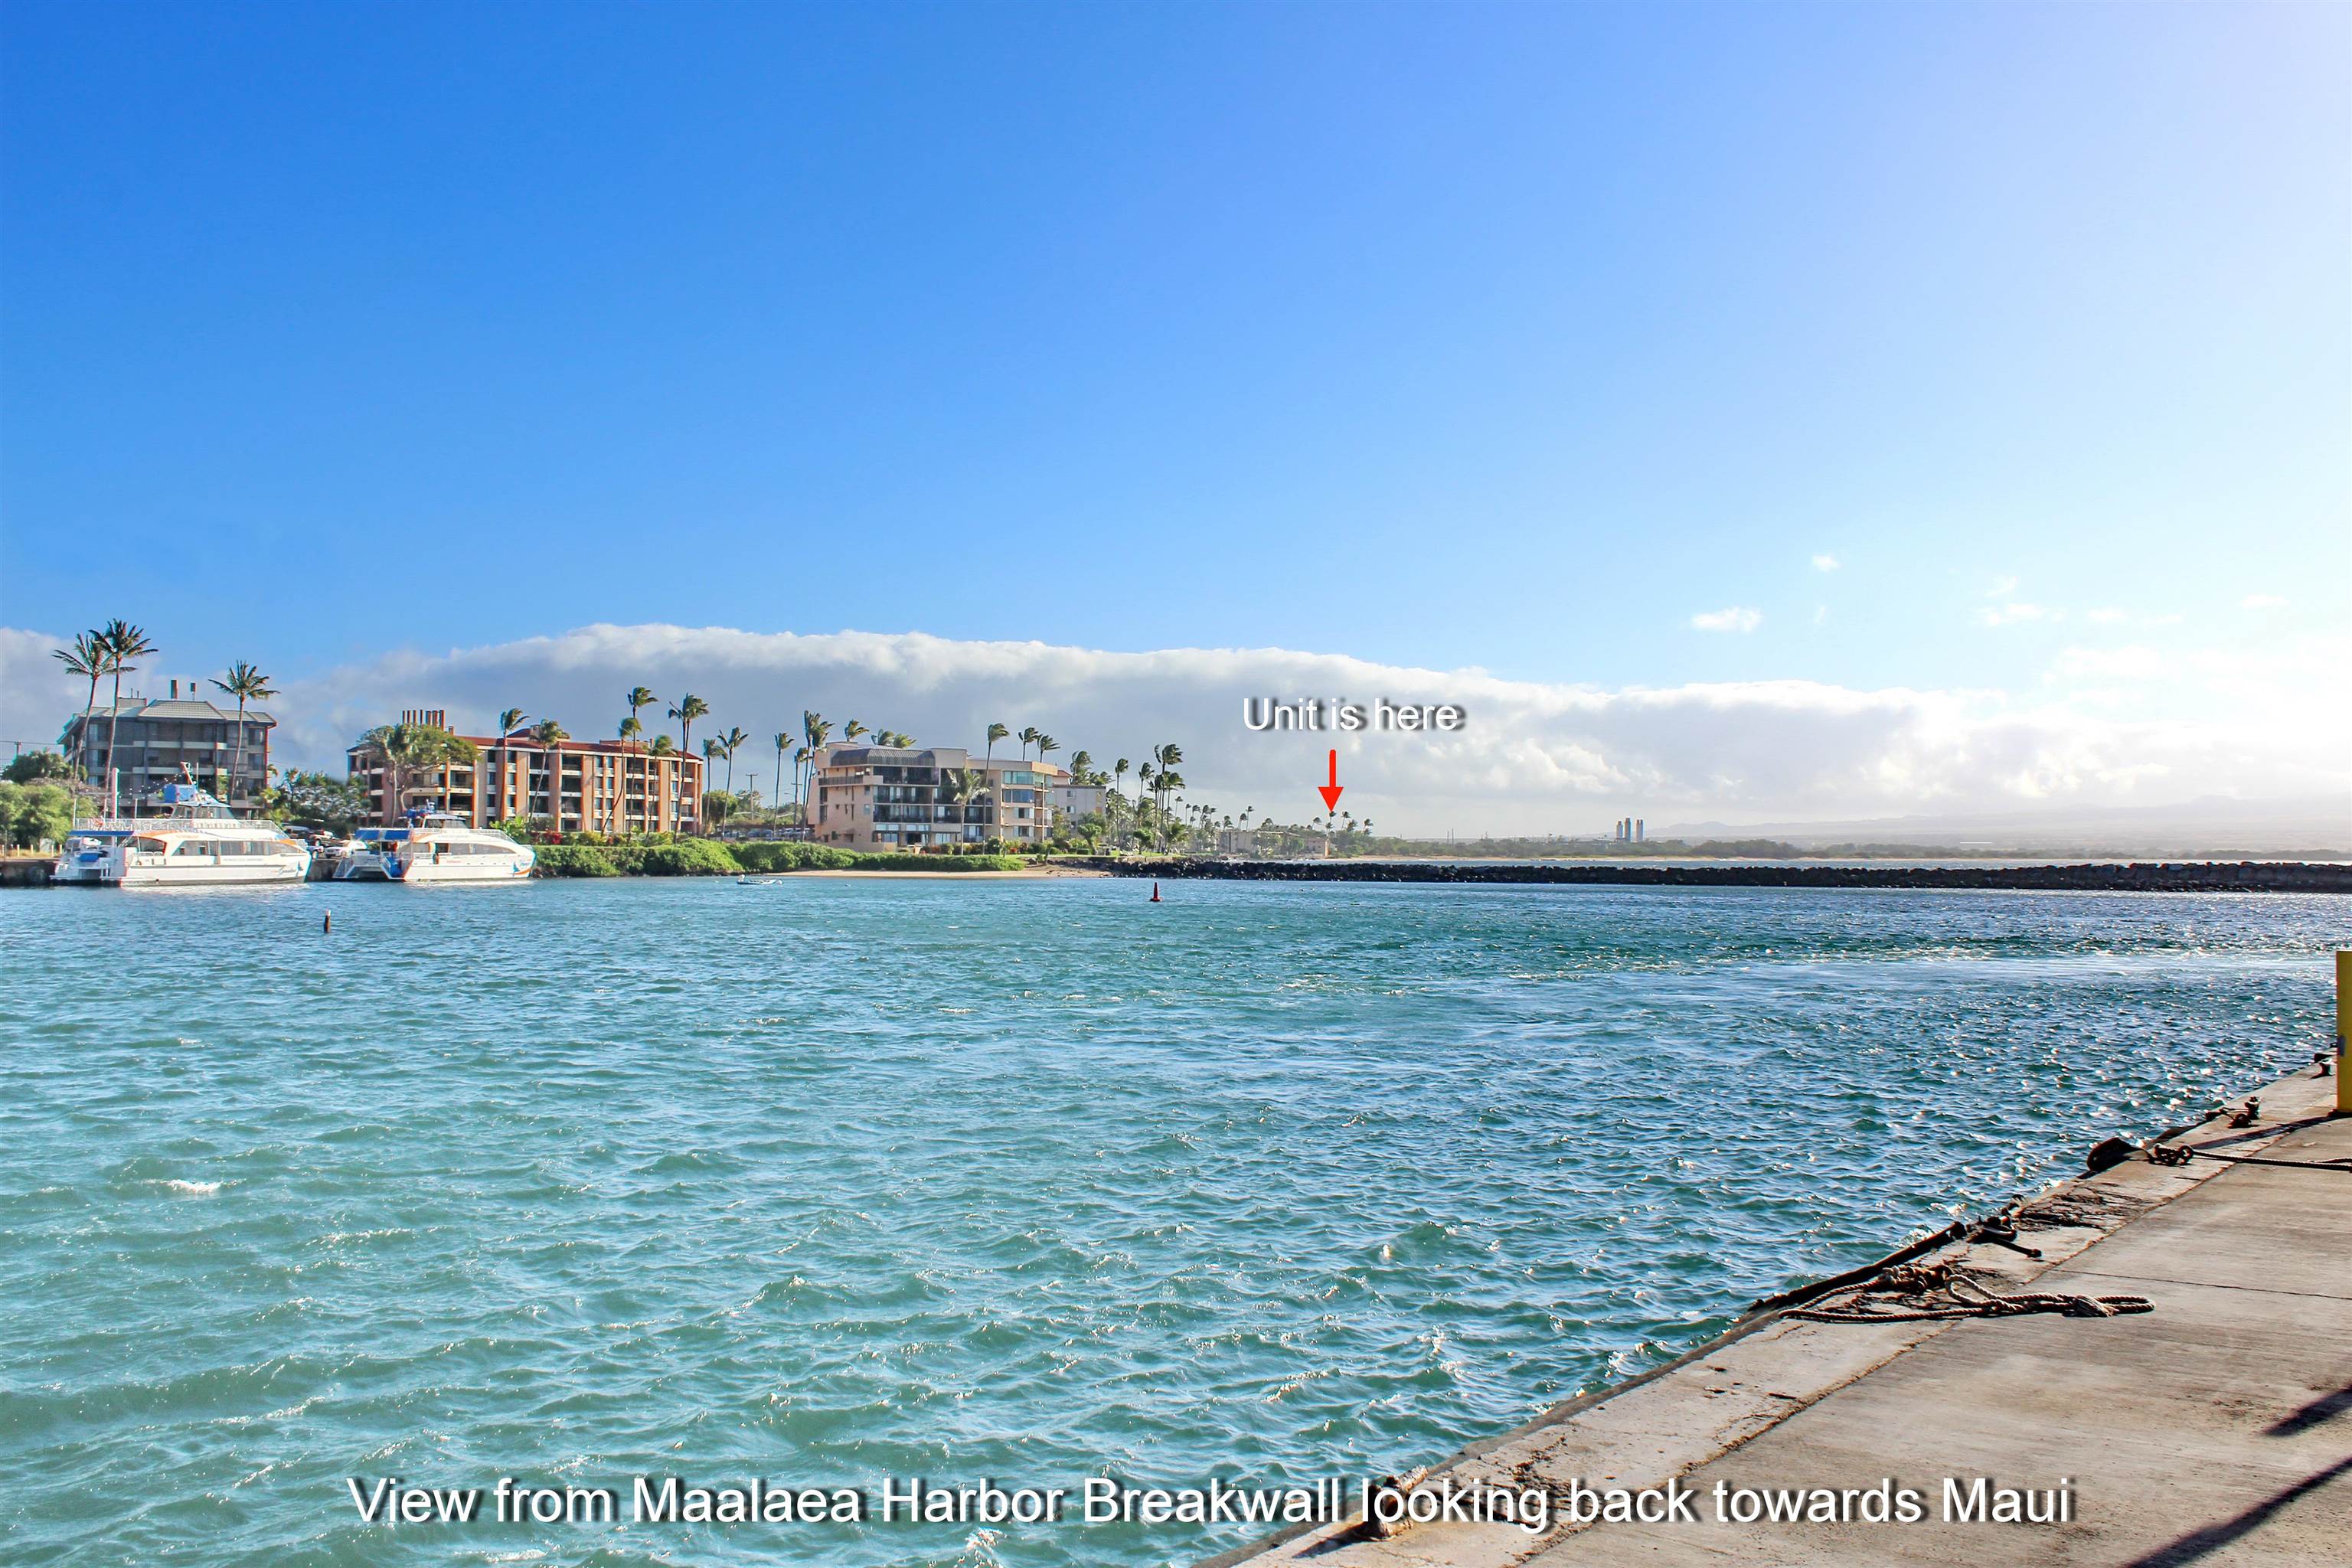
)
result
[(190, 847)]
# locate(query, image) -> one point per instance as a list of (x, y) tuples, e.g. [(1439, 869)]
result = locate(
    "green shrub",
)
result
[(575, 860), (770, 855), (933, 862), (31, 813), (708, 858), (689, 858)]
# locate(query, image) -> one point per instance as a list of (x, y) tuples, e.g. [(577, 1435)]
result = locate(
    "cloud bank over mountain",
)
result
[(1535, 757)]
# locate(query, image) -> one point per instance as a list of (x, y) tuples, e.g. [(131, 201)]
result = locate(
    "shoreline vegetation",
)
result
[(713, 857)]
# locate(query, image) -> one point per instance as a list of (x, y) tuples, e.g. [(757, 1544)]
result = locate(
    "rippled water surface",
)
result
[(828, 1180)]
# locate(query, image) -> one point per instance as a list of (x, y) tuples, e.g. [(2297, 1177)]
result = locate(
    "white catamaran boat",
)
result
[(434, 848), (198, 843)]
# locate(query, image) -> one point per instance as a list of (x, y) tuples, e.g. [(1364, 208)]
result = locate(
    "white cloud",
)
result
[(2010, 611), (1536, 757), (2110, 664), (2262, 602), (1825, 563), (1738, 618), (2013, 612), (2106, 615)]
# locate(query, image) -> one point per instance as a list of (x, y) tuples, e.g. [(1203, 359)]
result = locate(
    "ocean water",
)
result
[(830, 1180)]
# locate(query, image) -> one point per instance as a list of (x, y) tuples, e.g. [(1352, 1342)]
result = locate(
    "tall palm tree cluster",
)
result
[(407, 753), (1160, 817), (720, 750), (112, 651)]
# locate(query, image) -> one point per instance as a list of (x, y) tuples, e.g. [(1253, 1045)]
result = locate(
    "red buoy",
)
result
[(1155, 892)]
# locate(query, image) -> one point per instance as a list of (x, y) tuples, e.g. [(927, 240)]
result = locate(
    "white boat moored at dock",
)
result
[(436, 847), (198, 842)]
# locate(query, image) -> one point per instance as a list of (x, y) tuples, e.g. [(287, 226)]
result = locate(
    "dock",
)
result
[(25, 871), (2214, 1427)]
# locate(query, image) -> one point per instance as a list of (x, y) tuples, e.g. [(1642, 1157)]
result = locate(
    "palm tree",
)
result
[(687, 709), (510, 721), (1028, 734), (815, 729), (245, 684), (1081, 765), (800, 760), (1168, 756), (85, 656), (631, 733), (729, 744), (957, 786), (661, 746), (403, 749), (851, 731), (1046, 745), (547, 731), (988, 762), (784, 739), (639, 697), (124, 642), (1118, 771)]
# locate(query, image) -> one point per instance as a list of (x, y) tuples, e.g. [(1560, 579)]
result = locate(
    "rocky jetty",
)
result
[(2140, 877)]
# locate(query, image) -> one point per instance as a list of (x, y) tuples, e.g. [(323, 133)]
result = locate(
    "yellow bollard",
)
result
[(2343, 1030)]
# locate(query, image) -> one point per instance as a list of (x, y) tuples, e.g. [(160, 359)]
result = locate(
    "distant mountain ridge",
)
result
[(2210, 822)]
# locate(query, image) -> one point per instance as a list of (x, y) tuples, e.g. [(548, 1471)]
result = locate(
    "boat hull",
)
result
[(501, 871), (279, 870)]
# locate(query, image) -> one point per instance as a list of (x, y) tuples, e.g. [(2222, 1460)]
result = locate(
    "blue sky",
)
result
[(1512, 337)]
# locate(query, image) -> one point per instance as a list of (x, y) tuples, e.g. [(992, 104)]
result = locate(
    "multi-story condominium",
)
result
[(907, 797), (1071, 800), (592, 786), (155, 737)]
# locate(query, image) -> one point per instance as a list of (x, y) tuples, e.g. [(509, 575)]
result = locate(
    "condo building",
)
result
[(154, 739), (578, 787), (1072, 800), (905, 797)]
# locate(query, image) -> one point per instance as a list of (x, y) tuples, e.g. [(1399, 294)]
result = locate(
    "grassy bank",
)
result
[(708, 858)]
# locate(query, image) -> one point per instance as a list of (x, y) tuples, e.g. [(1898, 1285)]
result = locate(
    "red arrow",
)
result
[(1330, 791)]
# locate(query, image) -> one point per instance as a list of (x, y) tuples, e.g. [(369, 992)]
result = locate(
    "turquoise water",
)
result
[(829, 1180)]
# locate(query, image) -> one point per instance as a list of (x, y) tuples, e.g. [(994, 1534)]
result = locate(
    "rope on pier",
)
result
[(2158, 1154), (1940, 1292)]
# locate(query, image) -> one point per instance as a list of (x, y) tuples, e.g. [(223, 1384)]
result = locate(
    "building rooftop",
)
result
[(171, 708), (522, 740)]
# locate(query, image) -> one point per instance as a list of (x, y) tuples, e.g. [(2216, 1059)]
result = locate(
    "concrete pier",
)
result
[(2215, 1429)]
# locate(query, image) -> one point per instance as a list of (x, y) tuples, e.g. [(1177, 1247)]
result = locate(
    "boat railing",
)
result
[(165, 823)]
